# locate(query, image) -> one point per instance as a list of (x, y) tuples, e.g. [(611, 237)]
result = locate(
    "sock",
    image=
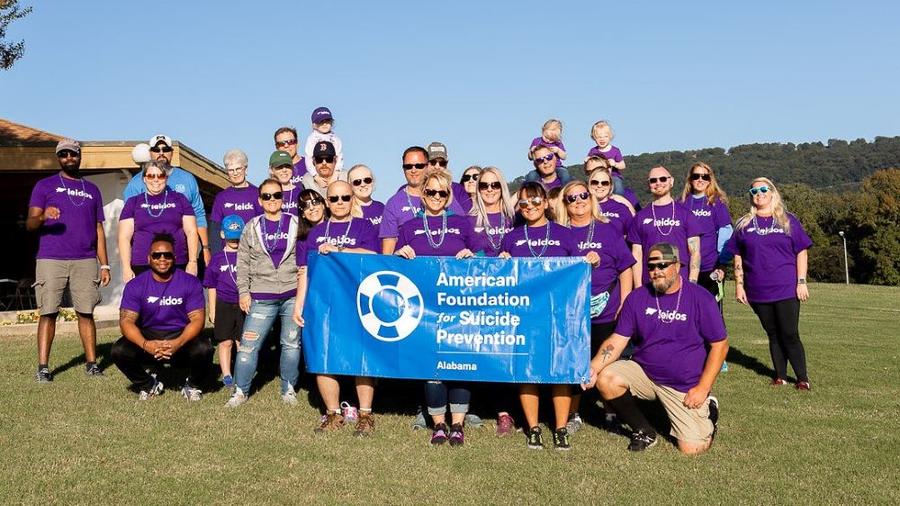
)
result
[(365, 410), (89, 364), (43, 366), (628, 412)]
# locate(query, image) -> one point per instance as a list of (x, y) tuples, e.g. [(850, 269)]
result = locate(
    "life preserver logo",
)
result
[(389, 306)]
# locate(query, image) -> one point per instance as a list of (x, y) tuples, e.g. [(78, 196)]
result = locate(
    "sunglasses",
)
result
[(417, 166), (469, 177), (334, 198), (759, 189), (323, 159), (265, 197), (658, 265), (442, 163), (281, 144), (597, 182), (237, 169), (705, 177), (575, 197), (67, 153), (360, 182), (660, 179), (547, 158), (156, 177), (494, 185), (165, 149), (168, 255), (534, 201), (441, 193), (305, 204)]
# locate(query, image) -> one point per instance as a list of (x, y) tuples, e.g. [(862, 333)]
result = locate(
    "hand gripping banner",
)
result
[(518, 320)]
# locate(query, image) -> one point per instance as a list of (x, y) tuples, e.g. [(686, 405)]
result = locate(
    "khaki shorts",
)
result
[(52, 277), (689, 425)]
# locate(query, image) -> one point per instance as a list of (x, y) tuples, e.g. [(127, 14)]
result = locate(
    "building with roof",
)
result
[(28, 154)]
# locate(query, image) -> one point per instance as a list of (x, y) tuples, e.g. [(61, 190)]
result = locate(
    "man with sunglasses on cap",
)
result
[(671, 324), (161, 316), (180, 180), (324, 160), (66, 211)]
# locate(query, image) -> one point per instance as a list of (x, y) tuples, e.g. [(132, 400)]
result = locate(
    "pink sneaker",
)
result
[(505, 425)]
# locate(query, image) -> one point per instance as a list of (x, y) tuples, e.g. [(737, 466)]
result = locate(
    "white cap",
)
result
[(141, 153), (156, 139)]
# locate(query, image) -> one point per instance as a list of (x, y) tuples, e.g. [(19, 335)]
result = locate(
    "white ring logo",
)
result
[(389, 306)]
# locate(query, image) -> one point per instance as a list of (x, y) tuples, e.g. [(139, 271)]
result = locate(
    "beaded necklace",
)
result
[(83, 192)]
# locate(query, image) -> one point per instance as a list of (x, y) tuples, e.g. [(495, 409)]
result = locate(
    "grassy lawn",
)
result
[(79, 440)]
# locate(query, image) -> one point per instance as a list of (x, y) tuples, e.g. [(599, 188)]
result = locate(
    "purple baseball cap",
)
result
[(322, 114)]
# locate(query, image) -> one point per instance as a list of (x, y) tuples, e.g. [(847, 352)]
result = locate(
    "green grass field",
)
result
[(90, 441)]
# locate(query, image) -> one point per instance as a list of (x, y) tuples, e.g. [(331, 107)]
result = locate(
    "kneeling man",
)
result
[(161, 316), (672, 324)]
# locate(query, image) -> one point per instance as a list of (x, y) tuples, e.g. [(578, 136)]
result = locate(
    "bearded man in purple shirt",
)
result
[(672, 324)]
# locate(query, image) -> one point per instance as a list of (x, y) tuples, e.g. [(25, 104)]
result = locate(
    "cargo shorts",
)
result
[(53, 276)]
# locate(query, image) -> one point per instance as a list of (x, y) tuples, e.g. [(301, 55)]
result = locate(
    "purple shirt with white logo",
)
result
[(373, 212), (356, 233), (619, 215), (615, 258), (299, 171), (74, 235), (221, 274), (769, 257), (671, 223), (489, 240), (613, 154), (157, 214), (539, 141), (163, 305), (672, 354), (525, 241), (402, 207), (449, 240), (243, 202), (708, 219), (274, 243), (289, 200)]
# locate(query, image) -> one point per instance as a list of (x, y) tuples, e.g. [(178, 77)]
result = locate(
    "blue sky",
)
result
[(479, 76)]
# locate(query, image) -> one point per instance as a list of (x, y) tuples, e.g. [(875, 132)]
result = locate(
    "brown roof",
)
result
[(14, 134)]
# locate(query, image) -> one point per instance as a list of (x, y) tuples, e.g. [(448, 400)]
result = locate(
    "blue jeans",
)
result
[(438, 393), (618, 184), (257, 325)]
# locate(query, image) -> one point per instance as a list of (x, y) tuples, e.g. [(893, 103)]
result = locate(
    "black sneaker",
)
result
[(714, 415), (93, 370), (641, 441), (561, 439), (43, 375), (533, 438)]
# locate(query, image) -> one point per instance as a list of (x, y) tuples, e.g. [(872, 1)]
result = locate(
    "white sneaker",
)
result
[(289, 398), (237, 398), (155, 391), (190, 393)]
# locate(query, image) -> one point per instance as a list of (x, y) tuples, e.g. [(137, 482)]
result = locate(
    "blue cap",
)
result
[(232, 226), (321, 114)]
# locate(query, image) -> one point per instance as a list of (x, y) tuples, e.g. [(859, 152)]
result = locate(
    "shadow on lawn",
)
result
[(736, 356)]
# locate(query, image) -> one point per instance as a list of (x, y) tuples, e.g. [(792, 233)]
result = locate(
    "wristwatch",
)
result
[(105, 267), (801, 281)]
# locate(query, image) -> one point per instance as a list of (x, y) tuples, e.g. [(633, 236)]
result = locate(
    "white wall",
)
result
[(111, 186)]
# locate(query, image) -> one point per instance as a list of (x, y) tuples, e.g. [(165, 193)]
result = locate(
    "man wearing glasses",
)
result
[(161, 316), (180, 180), (672, 324), (241, 198), (286, 140), (67, 213), (545, 170), (325, 161)]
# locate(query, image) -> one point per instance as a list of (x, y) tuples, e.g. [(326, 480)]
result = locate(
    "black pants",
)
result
[(195, 355), (711, 286), (780, 320)]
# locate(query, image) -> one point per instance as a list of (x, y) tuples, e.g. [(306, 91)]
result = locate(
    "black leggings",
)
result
[(780, 320)]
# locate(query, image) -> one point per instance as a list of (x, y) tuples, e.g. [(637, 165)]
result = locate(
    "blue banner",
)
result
[(518, 320)]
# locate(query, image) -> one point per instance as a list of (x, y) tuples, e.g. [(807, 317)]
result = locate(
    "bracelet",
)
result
[(192, 261), (105, 267), (801, 281), (205, 247)]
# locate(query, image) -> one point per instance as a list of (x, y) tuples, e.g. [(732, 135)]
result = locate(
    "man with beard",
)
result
[(671, 324), (67, 213), (161, 316)]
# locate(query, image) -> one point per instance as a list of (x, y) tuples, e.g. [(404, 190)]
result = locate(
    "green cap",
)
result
[(663, 251), (280, 158)]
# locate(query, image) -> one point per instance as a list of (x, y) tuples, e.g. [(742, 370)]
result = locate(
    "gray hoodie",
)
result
[(255, 271)]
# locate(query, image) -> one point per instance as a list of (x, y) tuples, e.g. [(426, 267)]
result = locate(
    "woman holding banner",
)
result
[(539, 237), (604, 247), (438, 232), (342, 232)]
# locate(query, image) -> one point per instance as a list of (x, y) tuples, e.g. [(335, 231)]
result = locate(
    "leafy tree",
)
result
[(876, 214), (10, 52)]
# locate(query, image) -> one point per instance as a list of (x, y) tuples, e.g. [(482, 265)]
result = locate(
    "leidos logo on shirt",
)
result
[(702, 212), (157, 207), (612, 214), (246, 206), (75, 193), (765, 231), (454, 231), (664, 222), (375, 221), (590, 245), (538, 242), (337, 241), (165, 301), (666, 315), (492, 230), (224, 268), (277, 236)]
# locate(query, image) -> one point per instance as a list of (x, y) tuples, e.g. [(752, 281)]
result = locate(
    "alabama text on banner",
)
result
[(479, 319)]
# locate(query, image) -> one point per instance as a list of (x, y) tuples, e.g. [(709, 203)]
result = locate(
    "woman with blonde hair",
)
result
[(770, 262), (617, 208)]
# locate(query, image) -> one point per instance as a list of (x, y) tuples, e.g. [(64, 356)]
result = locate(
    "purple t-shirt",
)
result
[(274, 243), (613, 154), (74, 235), (221, 274), (450, 240), (299, 172), (402, 207), (615, 258), (708, 219), (356, 233), (289, 202), (632, 198), (539, 141), (619, 215), (671, 223), (769, 257), (373, 212), (157, 214), (163, 305), (525, 241), (674, 353), (489, 240), (243, 202), (461, 197)]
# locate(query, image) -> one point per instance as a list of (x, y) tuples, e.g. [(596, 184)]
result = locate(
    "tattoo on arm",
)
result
[(606, 353), (128, 315), (197, 313)]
